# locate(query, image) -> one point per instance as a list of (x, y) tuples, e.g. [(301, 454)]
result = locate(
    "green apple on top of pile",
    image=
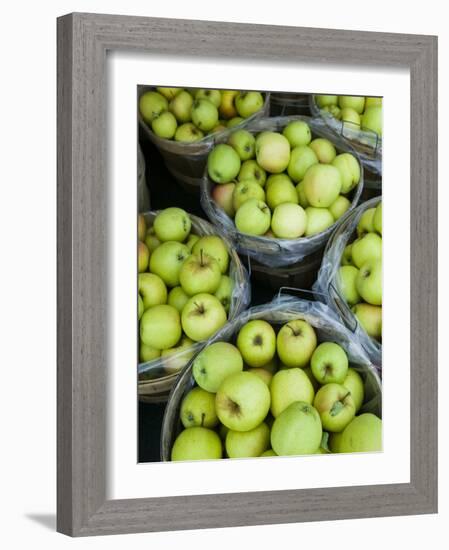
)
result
[(282, 185), (360, 275), (356, 112), (274, 392), (184, 287), (188, 114)]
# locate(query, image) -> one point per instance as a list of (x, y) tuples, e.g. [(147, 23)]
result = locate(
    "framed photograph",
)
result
[(236, 343)]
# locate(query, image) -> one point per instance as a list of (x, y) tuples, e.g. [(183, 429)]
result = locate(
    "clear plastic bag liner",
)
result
[(269, 251), (281, 310)]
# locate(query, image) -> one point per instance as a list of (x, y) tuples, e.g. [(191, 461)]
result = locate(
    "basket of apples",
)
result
[(285, 378), (184, 122), (190, 283), (358, 119), (350, 277), (278, 187)]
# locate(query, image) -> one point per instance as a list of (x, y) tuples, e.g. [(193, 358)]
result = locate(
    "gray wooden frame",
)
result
[(83, 40)]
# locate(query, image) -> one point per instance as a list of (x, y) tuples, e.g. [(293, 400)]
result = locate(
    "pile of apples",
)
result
[(184, 286), (282, 185), (187, 115), (274, 394), (356, 112), (360, 274)]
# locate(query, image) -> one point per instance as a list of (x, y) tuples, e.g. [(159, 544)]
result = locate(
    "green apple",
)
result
[(250, 170), (198, 409), (248, 444), (164, 125), (297, 430), (223, 163), (202, 316), (218, 128), (353, 102), (318, 220), (298, 133), (152, 289), (197, 443), (373, 102), (346, 257), (256, 341), (288, 386), (302, 158), (244, 190), (141, 227), (289, 221), (244, 143), (362, 435), (172, 224), (143, 257), (242, 401), (354, 383), (147, 353), (372, 120), (370, 317), (347, 276), (140, 307), (329, 363), (166, 261), (227, 108), (334, 441), (176, 358), (333, 110), (369, 282), (214, 96), (302, 199), (253, 217), (263, 374), (350, 118), (277, 179), (339, 207), (313, 380), (248, 103), (335, 406), (151, 240), (169, 93), (323, 149), (223, 196), (272, 152), (322, 185), (272, 365), (377, 219), (214, 246), (160, 327), (177, 298), (192, 239), (224, 292), (326, 100), (268, 452), (368, 247), (365, 224), (279, 191), (349, 169), (296, 341), (235, 121), (188, 133), (204, 114), (200, 273), (215, 363), (152, 104), (181, 106)]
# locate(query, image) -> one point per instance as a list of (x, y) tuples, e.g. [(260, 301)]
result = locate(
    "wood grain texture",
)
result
[(83, 40)]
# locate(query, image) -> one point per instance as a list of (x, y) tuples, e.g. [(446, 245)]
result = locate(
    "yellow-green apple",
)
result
[(323, 149), (368, 247), (347, 276), (369, 282), (214, 364), (335, 406), (160, 327), (152, 289), (164, 125), (147, 353), (141, 227), (174, 359), (204, 114), (214, 246), (353, 102), (244, 144), (297, 430), (302, 199), (244, 190), (248, 444), (248, 103), (222, 195), (166, 261), (152, 104), (272, 152), (242, 401), (224, 292), (235, 121), (223, 163), (263, 374), (370, 317), (354, 383), (334, 442), (377, 219), (373, 101), (172, 224), (289, 221), (325, 100), (272, 365), (333, 110), (298, 133), (143, 257), (280, 190), (349, 169), (318, 220), (302, 157), (140, 307), (253, 217), (256, 341), (372, 120), (322, 185), (151, 240), (276, 178), (219, 127), (169, 93), (197, 443), (350, 118), (296, 341), (268, 453), (365, 224), (202, 316), (288, 386), (198, 409), (214, 96), (362, 435), (192, 239), (346, 258), (250, 170), (181, 106), (200, 273), (227, 108), (177, 298), (329, 363), (307, 370), (339, 207), (188, 133)]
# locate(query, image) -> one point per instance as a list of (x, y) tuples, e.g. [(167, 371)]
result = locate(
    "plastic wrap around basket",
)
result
[(326, 287), (157, 376), (186, 161), (278, 312), (143, 195), (278, 252), (367, 143), (288, 103)]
